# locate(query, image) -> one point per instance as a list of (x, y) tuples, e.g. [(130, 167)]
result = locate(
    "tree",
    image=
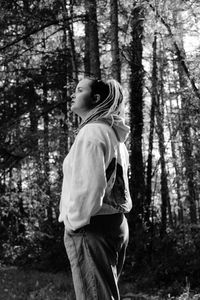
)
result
[(136, 116), (186, 134), (149, 172), (92, 62), (116, 63)]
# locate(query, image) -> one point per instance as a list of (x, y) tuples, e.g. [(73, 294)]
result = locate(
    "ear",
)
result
[(96, 99)]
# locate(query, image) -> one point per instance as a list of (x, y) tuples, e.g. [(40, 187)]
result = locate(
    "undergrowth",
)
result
[(26, 284)]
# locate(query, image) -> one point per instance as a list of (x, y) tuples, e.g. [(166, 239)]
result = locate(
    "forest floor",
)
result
[(26, 284)]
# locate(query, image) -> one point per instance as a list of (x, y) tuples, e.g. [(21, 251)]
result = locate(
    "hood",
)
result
[(118, 124)]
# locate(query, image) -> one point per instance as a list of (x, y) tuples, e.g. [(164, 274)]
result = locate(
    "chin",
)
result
[(74, 110)]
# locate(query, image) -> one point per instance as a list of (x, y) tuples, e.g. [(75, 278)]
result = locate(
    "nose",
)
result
[(73, 96)]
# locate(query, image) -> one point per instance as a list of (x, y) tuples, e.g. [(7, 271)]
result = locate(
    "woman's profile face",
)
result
[(82, 99)]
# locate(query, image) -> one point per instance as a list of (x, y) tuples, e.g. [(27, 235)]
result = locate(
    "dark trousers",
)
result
[(96, 253)]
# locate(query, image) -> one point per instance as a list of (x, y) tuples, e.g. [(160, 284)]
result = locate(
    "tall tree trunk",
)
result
[(69, 28), (148, 193), (136, 122), (188, 156), (92, 39), (172, 127), (165, 198), (186, 125), (116, 63), (20, 228), (33, 100), (46, 148), (87, 48)]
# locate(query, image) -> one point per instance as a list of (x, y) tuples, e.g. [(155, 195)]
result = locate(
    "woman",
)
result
[(95, 192)]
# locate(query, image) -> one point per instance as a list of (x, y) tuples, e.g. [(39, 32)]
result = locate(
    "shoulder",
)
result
[(95, 131), (90, 139)]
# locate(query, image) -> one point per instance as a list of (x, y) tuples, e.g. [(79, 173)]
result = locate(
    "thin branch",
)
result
[(36, 30), (32, 47)]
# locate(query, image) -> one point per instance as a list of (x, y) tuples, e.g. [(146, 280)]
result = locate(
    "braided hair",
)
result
[(110, 104)]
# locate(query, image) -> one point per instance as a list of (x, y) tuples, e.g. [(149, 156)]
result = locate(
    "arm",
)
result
[(88, 181)]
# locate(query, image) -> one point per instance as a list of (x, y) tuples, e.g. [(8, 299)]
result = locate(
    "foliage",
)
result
[(169, 264), (29, 238)]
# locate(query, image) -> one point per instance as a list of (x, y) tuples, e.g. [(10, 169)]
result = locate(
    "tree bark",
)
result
[(165, 198), (46, 149), (33, 100), (69, 28), (148, 193), (186, 134), (136, 121), (116, 63), (92, 39), (87, 47), (176, 167)]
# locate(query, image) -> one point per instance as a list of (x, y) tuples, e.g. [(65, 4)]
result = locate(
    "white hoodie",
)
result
[(95, 174)]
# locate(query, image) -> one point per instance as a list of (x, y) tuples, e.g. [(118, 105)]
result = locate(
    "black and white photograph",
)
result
[(99, 150)]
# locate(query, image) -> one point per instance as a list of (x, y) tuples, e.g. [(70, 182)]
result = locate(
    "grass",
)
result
[(26, 284), (31, 284)]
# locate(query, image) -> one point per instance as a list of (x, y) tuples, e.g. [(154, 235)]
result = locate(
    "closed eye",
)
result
[(79, 90)]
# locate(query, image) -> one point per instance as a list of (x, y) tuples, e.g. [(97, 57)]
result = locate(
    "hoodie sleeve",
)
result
[(88, 180)]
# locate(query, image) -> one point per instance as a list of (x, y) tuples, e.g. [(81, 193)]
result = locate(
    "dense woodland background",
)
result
[(153, 48)]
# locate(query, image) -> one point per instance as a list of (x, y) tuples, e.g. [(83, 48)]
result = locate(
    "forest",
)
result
[(152, 47)]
